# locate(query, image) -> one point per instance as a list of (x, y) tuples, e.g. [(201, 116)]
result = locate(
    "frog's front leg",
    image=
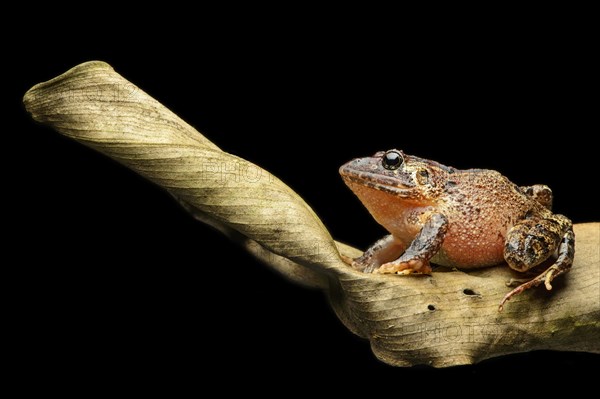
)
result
[(382, 251), (425, 245), (532, 241)]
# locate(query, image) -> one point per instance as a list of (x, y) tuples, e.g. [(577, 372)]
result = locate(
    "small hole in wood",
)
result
[(430, 307), (468, 291)]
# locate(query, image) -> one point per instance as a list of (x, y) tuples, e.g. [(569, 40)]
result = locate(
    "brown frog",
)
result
[(457, 218)]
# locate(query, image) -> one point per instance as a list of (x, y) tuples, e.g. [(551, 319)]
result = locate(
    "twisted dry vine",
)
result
[(447, 319)]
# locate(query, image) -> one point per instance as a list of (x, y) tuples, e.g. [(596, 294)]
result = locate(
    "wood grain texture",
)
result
[(447, 319)]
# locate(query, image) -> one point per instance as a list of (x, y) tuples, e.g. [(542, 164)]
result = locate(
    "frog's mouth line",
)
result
[(378, 182)]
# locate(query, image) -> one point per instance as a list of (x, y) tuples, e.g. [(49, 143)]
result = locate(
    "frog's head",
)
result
[(397, 174), (396, 188)]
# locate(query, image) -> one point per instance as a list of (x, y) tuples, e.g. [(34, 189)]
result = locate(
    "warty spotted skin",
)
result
[(457, 218)]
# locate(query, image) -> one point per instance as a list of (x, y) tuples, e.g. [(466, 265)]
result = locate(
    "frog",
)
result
[(461, 219)]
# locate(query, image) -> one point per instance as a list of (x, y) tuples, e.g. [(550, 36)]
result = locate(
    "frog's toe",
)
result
[(549, 276), (546, 278), (405, 267), (361, 265), (513, 282), (371, 268), (393, 267), (347, 260)]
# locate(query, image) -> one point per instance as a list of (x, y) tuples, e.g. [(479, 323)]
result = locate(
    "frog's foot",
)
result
[(546, 277), (531, 283), (420, 266)]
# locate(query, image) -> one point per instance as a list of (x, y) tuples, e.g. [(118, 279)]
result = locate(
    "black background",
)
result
[(117, 278)]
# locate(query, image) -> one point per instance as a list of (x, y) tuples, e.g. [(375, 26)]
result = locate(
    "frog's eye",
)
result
[(392, 160)]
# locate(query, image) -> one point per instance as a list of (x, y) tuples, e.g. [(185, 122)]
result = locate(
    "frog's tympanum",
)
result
[(457, 218)]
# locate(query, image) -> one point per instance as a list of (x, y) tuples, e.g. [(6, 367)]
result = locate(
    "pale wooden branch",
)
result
[(447, 319)]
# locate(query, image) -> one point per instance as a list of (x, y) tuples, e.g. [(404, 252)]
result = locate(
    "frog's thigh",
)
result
[(532, 241)]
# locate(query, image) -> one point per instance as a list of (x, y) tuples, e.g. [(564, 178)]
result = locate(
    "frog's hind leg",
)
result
[(533, 241)]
